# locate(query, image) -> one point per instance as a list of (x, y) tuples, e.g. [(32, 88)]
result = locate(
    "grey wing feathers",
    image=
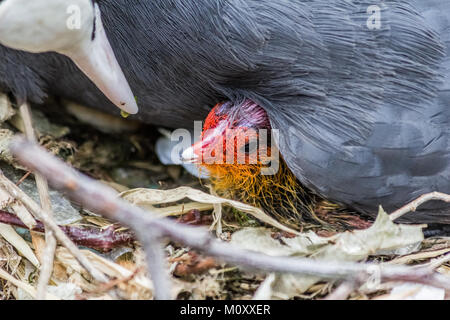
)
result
[(405, 151)]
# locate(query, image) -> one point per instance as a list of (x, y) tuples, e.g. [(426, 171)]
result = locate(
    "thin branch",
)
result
[(42, 186), (157, 265), (42, 215), (25, 176), (103, 200), (412, 207)]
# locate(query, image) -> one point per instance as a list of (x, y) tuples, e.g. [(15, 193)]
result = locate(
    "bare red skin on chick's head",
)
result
[(234, 155)]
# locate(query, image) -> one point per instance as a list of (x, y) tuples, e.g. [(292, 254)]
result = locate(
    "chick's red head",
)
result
[(235, 146), (233, 135)]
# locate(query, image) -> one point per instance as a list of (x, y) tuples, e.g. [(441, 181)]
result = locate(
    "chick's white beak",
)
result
[(96, 59), (189, 155)]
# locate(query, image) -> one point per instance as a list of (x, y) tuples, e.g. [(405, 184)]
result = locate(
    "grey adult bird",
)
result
[(359, 90)]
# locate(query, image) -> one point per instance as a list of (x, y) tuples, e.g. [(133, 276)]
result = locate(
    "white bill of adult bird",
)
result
[(73, 28)]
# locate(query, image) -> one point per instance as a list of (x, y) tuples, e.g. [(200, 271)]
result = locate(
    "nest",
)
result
[(127, 162)]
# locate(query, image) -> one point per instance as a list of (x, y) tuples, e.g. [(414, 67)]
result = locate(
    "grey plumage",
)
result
[(363, 114), (405, 151)]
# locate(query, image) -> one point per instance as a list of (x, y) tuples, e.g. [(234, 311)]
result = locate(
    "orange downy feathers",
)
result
[(280, 195)]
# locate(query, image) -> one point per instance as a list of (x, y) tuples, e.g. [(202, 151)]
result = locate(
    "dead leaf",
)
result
[(6, 109), (11, 236), (382, 236), (412, 291), (149, 197), (41, 124)]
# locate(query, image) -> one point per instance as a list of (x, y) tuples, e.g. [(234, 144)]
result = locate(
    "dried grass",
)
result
[(126, 267)]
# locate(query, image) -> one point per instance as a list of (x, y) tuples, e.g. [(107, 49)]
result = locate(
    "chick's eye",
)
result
[(250, 147)]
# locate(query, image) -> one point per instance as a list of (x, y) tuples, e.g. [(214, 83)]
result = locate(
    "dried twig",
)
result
[(343, 291), (193, 263), (42, 215), (439, 262), (104, 288), (42, 186), (412, 206), (101, 199), (157, 264), (25, 176), (95, 238)]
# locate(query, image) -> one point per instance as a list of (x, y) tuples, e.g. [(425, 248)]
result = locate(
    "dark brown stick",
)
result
[(95, 238), (103, 200)]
